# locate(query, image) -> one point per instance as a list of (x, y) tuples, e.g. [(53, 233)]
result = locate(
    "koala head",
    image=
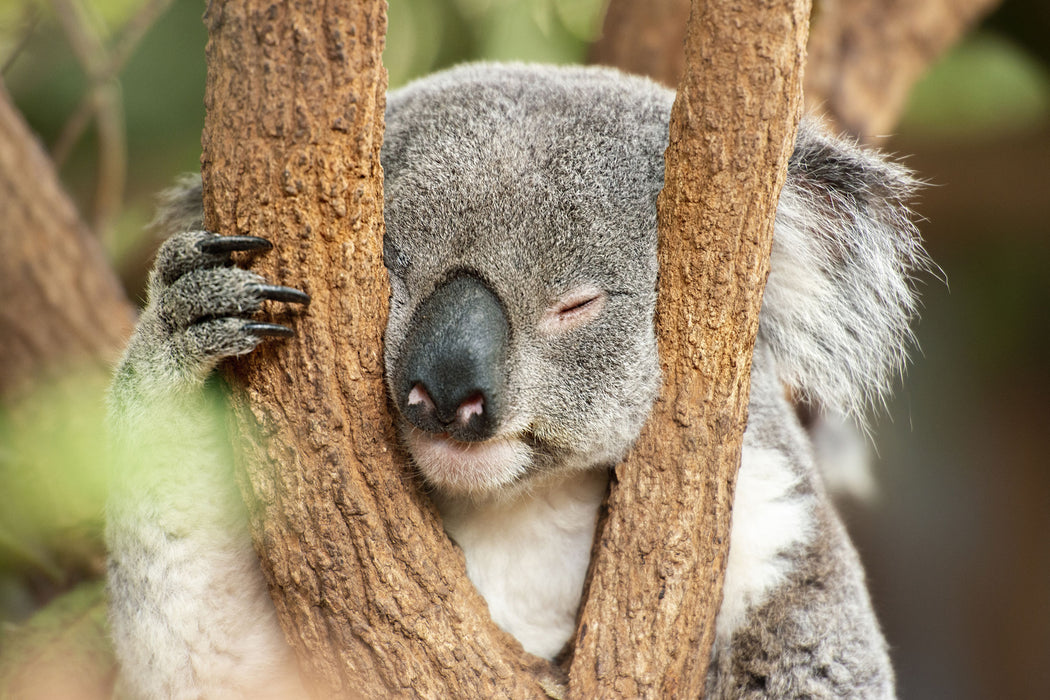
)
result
[(520, 209)]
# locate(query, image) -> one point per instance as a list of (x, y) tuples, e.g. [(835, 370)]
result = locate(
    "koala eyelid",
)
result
[(572, 310)]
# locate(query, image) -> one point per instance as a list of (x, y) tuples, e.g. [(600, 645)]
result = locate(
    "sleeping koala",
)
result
[(520, 209)]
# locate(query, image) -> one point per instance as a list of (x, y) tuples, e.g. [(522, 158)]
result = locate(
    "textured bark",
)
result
[(648, 622), (369, 590), (865, 56), (62, 303)]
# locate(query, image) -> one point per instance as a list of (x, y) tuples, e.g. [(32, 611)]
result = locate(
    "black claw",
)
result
[(277, 293), (218, 245), (271, 330)]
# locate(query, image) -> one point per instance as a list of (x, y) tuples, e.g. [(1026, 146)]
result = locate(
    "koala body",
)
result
[(520, 207)]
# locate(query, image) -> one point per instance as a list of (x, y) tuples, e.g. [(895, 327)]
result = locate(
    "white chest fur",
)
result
[(528, 556)]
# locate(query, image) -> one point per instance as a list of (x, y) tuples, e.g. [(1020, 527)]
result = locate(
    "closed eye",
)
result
[(578, 306), (572, 310)]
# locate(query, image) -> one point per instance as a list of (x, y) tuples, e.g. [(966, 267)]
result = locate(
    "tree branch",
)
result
[(648, 622), (865, 56), (107, 105), (109, 68), (62, 301), (368, 588)]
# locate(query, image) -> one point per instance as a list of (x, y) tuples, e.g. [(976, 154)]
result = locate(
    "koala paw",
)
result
[(201, 305)]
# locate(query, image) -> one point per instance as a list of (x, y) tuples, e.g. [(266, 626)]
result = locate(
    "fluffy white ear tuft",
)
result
[(840, 295)]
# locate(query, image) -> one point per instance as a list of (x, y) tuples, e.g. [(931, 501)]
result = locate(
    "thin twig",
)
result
[(103, 99), (88, 47), (130, 36), (32, 19), (112, 155), (73, 128), (133, 31)]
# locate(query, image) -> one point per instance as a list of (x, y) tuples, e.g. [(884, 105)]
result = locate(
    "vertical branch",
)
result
[(368, 588), (648, 622), (865, 56), (644, 37), (62, 301)]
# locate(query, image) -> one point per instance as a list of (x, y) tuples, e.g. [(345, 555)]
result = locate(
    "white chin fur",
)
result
[(467, 467)]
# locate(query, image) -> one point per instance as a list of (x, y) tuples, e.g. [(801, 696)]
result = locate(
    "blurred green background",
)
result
[(958, 543)]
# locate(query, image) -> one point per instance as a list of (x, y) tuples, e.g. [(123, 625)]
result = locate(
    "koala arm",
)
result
[(796, 619), (190, 612)]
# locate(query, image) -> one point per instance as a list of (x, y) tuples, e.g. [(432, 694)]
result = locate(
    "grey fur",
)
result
[(539, 181)]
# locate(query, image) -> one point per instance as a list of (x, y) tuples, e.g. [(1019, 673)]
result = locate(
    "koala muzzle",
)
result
[(453, 368)]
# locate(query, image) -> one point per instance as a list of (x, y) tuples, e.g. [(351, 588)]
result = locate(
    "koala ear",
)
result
[(840, 297)]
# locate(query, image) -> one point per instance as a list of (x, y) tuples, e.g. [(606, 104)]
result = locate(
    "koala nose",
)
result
[(454, 361)]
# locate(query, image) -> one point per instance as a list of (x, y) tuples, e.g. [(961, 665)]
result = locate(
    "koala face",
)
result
[(521, 245)]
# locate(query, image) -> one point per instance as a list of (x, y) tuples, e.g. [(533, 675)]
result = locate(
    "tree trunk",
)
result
[(368, 588), (865, 56), (62, 304), (648, 622), (644, 37)]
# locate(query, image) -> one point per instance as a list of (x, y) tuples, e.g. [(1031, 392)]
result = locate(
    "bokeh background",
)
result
[(957, 541)]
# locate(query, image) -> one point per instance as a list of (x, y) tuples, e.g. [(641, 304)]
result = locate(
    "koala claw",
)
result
[(268, 330), (275, 292), (217, 245)]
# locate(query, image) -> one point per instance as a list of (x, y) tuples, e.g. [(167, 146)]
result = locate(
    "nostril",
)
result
[(418, 396), (473, 405)]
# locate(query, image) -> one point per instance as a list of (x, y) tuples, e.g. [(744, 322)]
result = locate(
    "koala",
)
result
[(521, 362)]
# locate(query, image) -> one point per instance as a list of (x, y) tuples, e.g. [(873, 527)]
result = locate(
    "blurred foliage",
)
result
[(63, 654), (425, 35), (986, 86), (53, 477)]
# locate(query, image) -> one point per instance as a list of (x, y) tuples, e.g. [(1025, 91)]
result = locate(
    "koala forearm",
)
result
[(190, 612), (815, 635)]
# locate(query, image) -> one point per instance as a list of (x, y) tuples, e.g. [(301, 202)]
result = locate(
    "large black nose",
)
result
[(453, 366)]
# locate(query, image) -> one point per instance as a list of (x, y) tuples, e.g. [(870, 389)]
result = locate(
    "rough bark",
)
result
[(62, 302), (648, 622), (368, 588), (865, 56)]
